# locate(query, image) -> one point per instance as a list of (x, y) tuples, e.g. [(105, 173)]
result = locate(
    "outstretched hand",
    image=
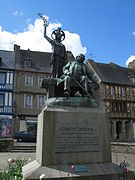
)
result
[(45, 19)]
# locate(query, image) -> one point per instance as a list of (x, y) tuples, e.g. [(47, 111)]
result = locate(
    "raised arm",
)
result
[(45, 35), (45, 21)]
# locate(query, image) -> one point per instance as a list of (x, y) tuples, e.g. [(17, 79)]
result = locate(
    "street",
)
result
[(4, 156), (117, 158)]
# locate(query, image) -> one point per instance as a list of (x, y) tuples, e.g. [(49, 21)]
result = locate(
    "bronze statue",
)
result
[(58, 59), (78, 73), (70, 76)]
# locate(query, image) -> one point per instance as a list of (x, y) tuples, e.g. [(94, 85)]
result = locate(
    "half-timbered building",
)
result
[(117, 96)]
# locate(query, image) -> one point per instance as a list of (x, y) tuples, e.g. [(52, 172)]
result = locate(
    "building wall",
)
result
[(6, 107), (23, 113), (118, 100), (119, 106)]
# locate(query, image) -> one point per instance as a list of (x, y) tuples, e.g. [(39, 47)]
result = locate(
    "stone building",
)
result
[(6, 92), (117, 96), (30, 68)]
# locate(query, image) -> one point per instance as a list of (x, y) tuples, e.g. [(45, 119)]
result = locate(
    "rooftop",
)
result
[(16, 60), (112, 73)]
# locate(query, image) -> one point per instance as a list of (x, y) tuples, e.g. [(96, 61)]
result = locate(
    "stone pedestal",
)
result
[(72, 142)]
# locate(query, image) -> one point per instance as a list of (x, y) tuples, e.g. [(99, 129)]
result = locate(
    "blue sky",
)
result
[(105, 27)]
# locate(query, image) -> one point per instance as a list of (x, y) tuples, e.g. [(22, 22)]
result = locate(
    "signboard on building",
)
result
[(6, 127)]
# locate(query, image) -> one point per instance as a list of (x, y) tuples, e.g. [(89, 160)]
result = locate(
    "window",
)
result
[(2, 78), (28, 100), (28, 80), (40, 79), (112, 90), (40, 101), (27, 63), (120, 107), (1, 99), (115, 106), (124, 107), (112, 106), (132, 80), (123, 90)]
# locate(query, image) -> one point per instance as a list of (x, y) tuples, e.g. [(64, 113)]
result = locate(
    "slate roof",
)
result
[(112, 73), (40, 60), (8, 59)]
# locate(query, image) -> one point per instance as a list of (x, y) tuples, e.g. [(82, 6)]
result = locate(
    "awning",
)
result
[(34, 122)]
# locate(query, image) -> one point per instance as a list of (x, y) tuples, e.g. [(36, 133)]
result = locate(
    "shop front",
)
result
[(31, 125)]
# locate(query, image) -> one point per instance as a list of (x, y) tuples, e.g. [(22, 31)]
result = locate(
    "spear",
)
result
[(81, 86)]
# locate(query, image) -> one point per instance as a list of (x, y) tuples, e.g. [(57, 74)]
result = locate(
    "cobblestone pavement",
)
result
[(117, 158)]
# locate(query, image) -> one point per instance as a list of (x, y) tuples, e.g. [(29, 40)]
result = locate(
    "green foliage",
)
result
[(13, 171)]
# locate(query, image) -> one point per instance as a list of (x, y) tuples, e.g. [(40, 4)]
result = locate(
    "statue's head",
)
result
[(80, 58), (59, 29), (59, 35)]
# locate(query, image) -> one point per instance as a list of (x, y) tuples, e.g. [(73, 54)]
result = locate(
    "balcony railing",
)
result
[(6, 87), (6, 110)]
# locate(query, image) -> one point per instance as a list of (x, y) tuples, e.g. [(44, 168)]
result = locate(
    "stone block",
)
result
[(72, 135), (102, 171)]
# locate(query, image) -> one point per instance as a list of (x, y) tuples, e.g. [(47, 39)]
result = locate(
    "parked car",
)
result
[(26, 136)]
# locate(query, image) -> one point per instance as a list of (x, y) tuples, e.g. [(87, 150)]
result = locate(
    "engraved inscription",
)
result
[(76, 139)]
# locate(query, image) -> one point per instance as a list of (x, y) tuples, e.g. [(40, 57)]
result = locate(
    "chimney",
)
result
[(0, 61), (131, 65), (16, 48)]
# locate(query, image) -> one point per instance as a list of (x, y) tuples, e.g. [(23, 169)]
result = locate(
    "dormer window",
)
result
[(2, 78), (27, 62), (132, 78)]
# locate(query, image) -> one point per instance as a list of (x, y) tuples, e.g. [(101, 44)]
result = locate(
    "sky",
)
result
[(103, 30)]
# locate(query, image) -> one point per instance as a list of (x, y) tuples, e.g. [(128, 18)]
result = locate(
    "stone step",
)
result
[(23, 147), (26, 147), (23, 150)]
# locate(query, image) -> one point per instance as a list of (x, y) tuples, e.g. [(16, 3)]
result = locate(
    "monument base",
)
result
[(72, 143), (102, 171)]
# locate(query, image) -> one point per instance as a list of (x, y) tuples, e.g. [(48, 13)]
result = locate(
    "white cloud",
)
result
[(73, 43), (6, 40), (17, 13), (130, 59), (33, 38)]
